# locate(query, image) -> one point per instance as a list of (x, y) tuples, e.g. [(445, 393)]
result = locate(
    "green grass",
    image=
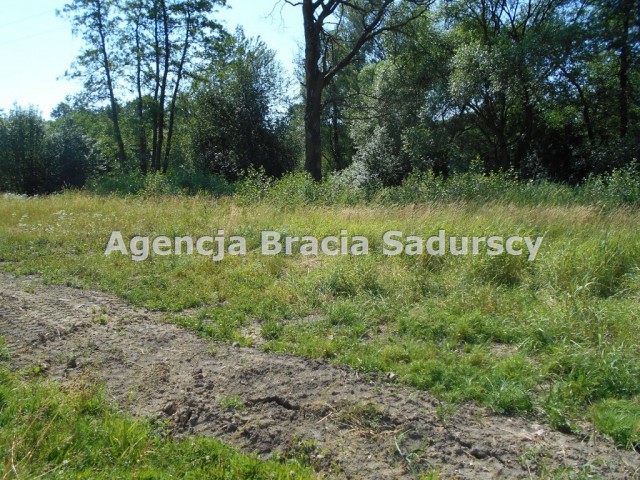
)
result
[(49, 432), (232, 402), (621, 419), (557, 338)]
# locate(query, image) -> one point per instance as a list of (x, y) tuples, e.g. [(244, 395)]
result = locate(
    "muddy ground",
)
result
[(347, 425)]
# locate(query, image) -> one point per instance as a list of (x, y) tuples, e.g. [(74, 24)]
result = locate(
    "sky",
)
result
[(37, 47)]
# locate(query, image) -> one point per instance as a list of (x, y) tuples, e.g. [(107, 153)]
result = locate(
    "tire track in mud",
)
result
[(347, 425)]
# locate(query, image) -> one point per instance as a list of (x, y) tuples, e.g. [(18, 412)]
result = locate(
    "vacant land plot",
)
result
[(554, 341), (298, 410)]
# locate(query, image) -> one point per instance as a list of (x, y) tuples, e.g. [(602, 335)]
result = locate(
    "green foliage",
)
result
[(144, 49), (543, 89), (194, 182), (156, 184), (253, 186), (232, 402), (235, 123), (545, 92), (353, 186), (176, 182), (36, 157), (121, 183), (298, 188), (25, 169), (621, 186)]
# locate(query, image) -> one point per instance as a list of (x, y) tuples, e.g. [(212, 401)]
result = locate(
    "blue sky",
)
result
[(36, 47)]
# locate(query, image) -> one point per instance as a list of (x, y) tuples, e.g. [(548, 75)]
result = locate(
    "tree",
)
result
[(6, 165), (236, 123), (25, 151), (93, 20), (42, 157), (371, 18), (182, 34), (505, 60), (619, 25), (138, 37), (146, 49), (402, 117), (72, 156)]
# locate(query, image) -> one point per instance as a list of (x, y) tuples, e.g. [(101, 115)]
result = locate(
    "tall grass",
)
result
[(618, 188), (557, 337)]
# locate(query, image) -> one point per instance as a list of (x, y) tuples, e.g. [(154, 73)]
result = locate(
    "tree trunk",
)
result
[(163, 85), (335, 125), (501, 132), (154, 140), (586, 112), (174, 98), (586, 115), (624, 69), (503, 148), (315, 13), (314, 84), (313, 132), (142, 134), (524, 147), (122, 154)]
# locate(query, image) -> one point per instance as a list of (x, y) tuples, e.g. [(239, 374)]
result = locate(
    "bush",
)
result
[(620, 187), (353, 186), (36, 157), (298, 188), (122, 183), (177, 182), (196, 181)]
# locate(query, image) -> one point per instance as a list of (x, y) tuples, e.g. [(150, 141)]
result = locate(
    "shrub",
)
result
[(36, 157), (621, 186)]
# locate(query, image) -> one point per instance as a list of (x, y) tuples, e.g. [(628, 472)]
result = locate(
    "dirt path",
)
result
[(349, 426)]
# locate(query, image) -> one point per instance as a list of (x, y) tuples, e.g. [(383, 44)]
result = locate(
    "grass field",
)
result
[(557, 338)]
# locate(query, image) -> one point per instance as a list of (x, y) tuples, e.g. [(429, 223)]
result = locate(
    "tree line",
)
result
[(543, 88)]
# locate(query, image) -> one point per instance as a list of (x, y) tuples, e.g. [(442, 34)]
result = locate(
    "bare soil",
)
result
[(346, 424)]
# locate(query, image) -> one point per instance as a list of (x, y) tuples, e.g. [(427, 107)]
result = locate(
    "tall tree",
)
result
[(500, 66), (26, 142), (145, 48), (402, 117), (236, 118), (621, 24), (371, 18), (138, 37), (182, 34), (92, 19)]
